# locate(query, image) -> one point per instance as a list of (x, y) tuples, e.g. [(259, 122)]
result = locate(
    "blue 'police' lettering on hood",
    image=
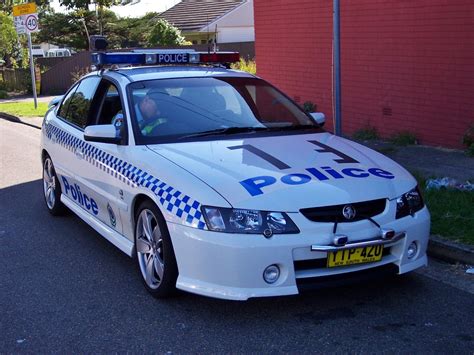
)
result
[(255, 185)]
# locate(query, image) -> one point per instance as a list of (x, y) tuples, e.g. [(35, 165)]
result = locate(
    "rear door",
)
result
[(69, 157)]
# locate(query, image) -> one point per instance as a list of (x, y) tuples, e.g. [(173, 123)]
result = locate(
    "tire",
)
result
[(52, 189), (154, 251)]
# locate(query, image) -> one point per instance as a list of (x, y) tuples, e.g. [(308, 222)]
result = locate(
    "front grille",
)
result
[(366, 209)]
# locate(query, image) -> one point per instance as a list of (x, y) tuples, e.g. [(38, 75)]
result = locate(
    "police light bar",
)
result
[(156, 57)]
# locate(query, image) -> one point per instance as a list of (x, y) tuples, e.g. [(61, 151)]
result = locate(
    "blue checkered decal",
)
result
[(173, 200)]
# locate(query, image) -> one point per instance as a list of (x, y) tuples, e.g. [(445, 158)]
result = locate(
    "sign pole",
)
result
[(32, 68), (337, 69)]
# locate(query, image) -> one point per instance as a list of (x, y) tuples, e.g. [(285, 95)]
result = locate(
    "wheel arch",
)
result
[(137, 201), (44, 154)]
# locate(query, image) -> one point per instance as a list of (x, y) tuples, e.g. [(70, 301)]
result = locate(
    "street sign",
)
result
[(31, 22), (26, 21), (19, 24), (24, 9), (26, 18)]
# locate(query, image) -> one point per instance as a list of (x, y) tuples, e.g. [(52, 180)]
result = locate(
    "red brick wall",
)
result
[(413, 59)]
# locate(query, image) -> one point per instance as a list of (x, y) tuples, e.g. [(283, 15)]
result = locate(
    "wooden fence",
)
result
[(58, 78)]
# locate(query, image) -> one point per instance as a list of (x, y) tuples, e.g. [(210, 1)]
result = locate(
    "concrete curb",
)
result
[(450, 251), (11, 118)]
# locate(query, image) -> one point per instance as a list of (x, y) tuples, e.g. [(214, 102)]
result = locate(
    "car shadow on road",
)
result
[(60, 278)]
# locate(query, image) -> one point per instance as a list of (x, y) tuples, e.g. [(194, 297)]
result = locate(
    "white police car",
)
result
[(220, 185)]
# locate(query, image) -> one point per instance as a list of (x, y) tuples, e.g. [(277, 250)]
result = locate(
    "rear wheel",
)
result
[(154, 251), (52, 188)]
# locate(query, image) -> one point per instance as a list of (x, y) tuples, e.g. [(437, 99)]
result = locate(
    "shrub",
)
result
[(309, 106), (79, 73), (3, 94), (366, 134), (468, 138), (246, 65), (470, 150), (404, 138)]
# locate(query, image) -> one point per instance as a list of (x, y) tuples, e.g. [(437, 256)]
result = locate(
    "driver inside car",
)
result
[(147, 113)]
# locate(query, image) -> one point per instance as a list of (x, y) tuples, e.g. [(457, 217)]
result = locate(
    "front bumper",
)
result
[(231, 266)]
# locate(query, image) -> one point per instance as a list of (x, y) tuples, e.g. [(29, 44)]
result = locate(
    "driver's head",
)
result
[(149, 108)]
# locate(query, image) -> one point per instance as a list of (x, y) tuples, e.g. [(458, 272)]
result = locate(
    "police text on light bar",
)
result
[(152, 57)]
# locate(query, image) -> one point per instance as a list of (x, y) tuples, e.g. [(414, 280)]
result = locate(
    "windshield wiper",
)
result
[(225, 131), (295, 127)]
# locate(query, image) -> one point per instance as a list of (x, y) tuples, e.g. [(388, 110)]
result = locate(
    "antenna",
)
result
[(208, 43), (215, 39)]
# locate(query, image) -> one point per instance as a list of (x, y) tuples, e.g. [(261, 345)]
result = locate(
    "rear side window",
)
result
[(77, 104), (65, 104)]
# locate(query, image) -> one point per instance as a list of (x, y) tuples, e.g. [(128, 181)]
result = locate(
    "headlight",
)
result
[(409, 203), (231, 220)]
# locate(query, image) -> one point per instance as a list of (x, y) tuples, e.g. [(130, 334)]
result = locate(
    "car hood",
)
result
[(290, 172)]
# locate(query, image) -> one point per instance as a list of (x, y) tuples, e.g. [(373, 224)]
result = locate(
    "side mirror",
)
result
[(55, 101), (319, 118), (106, 133)]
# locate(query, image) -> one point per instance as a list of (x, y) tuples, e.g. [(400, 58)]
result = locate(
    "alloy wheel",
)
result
[(150, 248)]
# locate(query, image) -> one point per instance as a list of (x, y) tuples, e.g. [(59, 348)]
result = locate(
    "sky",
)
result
[(136, 8)]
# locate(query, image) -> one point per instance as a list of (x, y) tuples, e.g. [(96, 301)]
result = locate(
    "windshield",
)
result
[(187, 108)]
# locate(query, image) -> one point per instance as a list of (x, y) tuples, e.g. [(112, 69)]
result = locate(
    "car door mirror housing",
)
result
[(106, 133), (54, 102), (319, 117)]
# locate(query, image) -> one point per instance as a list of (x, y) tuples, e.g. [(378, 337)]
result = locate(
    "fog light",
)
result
[(271, 274), (412, 250)]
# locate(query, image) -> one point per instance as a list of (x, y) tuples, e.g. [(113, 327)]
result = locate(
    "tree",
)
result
[(63, 30), (8, 36), (84, 4), (164, 34), (69, 29)]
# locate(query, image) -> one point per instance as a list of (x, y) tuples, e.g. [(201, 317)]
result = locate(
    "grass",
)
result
[(452, 212), (24, 109)]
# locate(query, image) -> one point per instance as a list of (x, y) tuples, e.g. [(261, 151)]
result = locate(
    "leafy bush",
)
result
[(164, 34), (404, 138), (249, 66), (470, 150), (366, 134), (468, 140), (79, 73), (3, 86), (309, 106), (3, 94)]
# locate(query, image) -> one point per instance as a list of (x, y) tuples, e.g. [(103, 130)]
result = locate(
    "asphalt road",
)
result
[(65, 289)]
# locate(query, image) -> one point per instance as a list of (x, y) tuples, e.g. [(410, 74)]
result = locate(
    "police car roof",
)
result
[(170, 72)]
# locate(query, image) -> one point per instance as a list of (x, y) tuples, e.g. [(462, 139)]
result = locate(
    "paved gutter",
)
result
[(450, 251)]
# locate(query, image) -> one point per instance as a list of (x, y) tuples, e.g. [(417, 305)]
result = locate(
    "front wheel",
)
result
[(52, 188), (154, 251)]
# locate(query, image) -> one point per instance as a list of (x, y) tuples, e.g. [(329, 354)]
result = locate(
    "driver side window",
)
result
[(111, 109)]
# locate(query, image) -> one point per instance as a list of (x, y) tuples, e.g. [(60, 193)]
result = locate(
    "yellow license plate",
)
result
[(347, 257)]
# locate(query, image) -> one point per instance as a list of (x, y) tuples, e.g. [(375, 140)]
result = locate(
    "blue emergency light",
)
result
[(161, 57)]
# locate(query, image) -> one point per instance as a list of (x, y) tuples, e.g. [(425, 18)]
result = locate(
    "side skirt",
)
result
[(104, 230)]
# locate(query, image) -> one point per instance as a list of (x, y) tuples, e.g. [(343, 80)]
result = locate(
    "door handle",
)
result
[(79, 153)]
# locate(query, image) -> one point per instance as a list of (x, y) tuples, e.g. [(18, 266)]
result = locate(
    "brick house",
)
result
[(406, 65)]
